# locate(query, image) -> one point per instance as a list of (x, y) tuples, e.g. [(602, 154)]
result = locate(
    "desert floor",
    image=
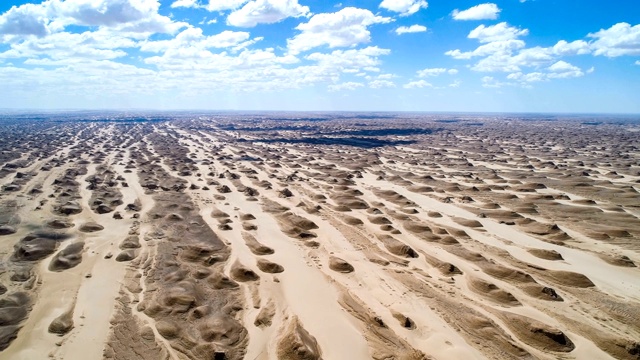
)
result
[(309, 236)]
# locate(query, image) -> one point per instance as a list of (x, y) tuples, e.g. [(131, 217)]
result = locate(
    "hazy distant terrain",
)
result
[(319, 235)]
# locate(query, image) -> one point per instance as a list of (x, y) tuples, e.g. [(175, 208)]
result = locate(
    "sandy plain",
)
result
[(319, 236)]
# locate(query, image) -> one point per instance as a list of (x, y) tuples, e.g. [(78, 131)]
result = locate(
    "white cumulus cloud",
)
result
[(345, 28), (492, 48), (487, 11), (562, 66), (353, 60), (213, 5), (502, 50), (510, 62), (266, 12), (193, 37), (431, 72), (527, 78), (381, 84), (410, 29), (498, 32), (618, 40), (185, 4), (137, 16), (404, 7), (419, 84), (562, 69), (27, 19), (221, 5), (558, 70), (100, 44), (578, 47)]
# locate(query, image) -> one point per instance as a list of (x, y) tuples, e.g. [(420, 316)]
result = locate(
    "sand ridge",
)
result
[(241, 237)]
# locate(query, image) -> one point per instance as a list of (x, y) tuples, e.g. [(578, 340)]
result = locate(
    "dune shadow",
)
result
[(387, 132), (361, 142)]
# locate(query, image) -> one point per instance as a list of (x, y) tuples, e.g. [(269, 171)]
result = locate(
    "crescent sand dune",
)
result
[(318, 236)]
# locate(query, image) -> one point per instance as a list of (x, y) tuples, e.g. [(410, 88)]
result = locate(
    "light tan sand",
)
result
[(441, 248)]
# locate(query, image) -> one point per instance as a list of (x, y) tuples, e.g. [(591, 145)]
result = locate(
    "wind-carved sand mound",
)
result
[(127, 255), (481, 328), (542, 292), (218, 281), (619, 260), (68, 192), (7, 230), (247, 217), (421, 189), (202, 254), (273, 207), (68, 257), (247, 226), (264, 318), (379, 220), (9, 218), (37, 246), (90, 227), (223, 330), (546, 254), (401, 216), (310, 208), (383, 342), (404, 321), (569, 278), (425, 232), (492, 292), (34, 248), (467, 222), (105, 195), (296, 343), (62, 324), (269, 267), (130, 337), (394, 197), (256, 247), (218, 214), (516, 277), (496, 270), (348, 202), (445, 268), (537, 334), (242, 273), (350, 220), (14, 308), (552, 232), (339, 265), (60, 223), (417, 227), (397, 247), (296, 226), (130, 242)]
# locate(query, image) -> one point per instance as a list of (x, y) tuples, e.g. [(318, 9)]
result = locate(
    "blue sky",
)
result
[(384, 55)]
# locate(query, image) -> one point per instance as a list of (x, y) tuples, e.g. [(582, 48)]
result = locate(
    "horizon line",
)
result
[(59, 110)]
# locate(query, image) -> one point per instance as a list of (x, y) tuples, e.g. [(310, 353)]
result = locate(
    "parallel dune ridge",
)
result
[(315, 236)]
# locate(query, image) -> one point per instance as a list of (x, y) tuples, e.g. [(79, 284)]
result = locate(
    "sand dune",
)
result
[(240, 237)]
